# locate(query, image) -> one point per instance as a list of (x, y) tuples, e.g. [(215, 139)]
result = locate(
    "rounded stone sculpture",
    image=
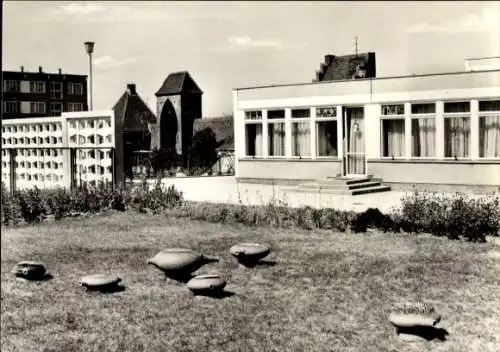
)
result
[(100, 281), (249, 253), (414, 322), (207, 284), (180, 260), (30, 270)]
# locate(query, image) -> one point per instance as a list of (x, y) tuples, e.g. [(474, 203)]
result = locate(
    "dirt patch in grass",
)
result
[(318, 291)]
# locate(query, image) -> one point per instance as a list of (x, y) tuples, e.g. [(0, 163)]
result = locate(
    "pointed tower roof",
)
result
[(177, 83), (131, 110)]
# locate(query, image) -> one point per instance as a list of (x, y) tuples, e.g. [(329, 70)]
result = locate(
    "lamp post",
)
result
[(89, 46)]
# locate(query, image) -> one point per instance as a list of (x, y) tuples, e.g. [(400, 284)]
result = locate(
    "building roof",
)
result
[(222, 127), (177, 83), (346, 66), (373, 79), (40, 73), (131, 110)]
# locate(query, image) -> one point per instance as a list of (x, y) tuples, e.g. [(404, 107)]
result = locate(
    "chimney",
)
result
[(40, 69), (22, 68), (329, 59), (131, 89), (60, 71)]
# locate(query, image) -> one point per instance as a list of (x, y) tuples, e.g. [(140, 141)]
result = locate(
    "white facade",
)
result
[(42, 145), (462, 110)]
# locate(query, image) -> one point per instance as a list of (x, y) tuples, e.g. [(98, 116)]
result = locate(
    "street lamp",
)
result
[(89, 46)]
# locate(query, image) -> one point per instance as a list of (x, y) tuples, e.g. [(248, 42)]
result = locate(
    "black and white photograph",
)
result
[(250, 176)]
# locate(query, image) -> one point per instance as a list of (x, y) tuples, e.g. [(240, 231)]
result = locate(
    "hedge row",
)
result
[(454, 217)]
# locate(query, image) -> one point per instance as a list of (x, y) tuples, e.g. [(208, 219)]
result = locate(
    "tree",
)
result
[(203, 151)]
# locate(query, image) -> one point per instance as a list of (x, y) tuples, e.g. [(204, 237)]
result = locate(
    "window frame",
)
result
[(38, 104), (295, 121), (35, 85), (8, 83), (253, 121), (58, 111), (425, 115), (53, 90), (71, 106), (276, 121), (452, 115), (11, 102), (392, 117), (319, 119), (483, 114), (72, 88)]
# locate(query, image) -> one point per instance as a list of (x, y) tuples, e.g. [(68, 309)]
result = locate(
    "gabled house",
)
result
[(132, 117)]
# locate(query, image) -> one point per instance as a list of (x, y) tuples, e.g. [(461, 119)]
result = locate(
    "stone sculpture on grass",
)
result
[(416, 322), (207, 284), (30, 270), (101, 282), (179, 263), (249, 254)]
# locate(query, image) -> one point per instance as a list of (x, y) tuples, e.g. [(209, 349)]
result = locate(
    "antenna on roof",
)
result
[(356, 45)]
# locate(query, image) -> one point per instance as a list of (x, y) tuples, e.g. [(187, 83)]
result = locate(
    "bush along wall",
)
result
[(455, 217)]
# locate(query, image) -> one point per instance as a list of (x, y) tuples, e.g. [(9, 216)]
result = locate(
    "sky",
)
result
[(234, 44)]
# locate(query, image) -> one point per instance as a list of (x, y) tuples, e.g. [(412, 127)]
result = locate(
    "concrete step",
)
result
[(348, 181), (367, 184), (373, 189), (353, 192), (338, 186)]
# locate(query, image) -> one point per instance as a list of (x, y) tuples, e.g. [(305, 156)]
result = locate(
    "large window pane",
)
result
[(457, 137), (326, 140), (276, 139), (393, 109), (423, 137), (393, 137), (423, 108), (489, 136), (301, 139), (253, 134), (489, 105), (276, 114), (301, 113), (457, 107), (253, 115)]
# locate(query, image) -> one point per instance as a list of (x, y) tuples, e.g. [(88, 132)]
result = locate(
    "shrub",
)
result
[(59, 202), (11, 212), (33, 205), (144, 199), (455, 216)]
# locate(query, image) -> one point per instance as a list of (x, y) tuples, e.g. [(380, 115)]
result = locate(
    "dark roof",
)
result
[(132, 111), (222, 127), (177, 83), (345, 66)]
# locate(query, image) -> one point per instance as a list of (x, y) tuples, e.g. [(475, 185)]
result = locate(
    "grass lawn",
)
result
[(326, 291)]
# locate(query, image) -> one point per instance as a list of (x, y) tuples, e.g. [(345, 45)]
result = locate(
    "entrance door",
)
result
[(354, 142)]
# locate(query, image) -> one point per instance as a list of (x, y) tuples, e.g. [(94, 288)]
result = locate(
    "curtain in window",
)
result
[(277, 139), (258, 140), (301, 139), (395, 137), (457, 134), (423, 134), (327, 138), (254, 139), (356, 162), (489, 136)]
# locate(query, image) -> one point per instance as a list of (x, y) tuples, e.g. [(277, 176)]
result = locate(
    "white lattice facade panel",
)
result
[(93, 166), (42, 168), (42, 155)]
